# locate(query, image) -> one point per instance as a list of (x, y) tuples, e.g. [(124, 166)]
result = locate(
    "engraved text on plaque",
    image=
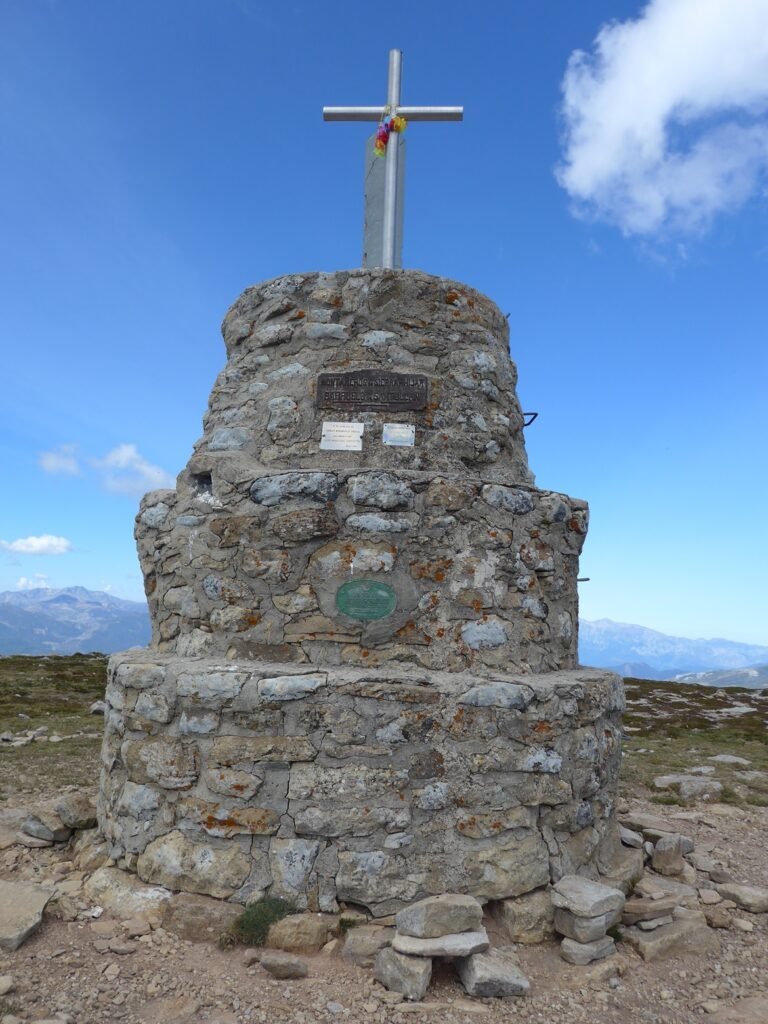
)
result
[(372, 389)]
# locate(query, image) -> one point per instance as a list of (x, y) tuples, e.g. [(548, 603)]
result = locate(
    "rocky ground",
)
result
[(111, 952)]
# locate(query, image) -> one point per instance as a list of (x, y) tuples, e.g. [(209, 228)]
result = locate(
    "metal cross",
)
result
[(393, 166)]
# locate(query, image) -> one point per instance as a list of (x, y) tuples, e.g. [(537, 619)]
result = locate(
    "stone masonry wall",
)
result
[(369, 787), (278, 737)]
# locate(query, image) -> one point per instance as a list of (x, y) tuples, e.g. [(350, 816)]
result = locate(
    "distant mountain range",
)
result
[(646, 654), (68, 621), (73, 619)]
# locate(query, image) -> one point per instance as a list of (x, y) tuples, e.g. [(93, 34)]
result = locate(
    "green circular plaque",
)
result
[(366, 599)]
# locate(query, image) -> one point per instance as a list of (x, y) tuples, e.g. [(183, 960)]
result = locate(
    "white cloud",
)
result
[(46, 544), (33, 582), (61, 460), (126, 471), (666, 120)]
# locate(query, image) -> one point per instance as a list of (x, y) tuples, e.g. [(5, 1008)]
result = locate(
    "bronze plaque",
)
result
[(371, 389)]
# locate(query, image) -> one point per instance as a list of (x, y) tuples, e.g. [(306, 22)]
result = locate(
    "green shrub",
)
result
[(252, 927)]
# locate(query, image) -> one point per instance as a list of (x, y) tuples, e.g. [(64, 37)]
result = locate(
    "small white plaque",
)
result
[(342, 437), (402, 435)]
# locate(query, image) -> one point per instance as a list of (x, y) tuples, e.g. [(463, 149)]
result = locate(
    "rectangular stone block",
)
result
[(228, 751)]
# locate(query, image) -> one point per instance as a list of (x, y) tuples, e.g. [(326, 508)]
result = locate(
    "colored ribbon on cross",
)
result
[(388, 124)]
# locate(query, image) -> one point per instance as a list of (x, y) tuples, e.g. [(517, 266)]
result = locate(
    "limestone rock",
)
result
[(362, 943), (121, 894), (585, 898), (647, 909), (690, 787), (584, 929), (747, 897), (526, 919), (463, 944), (630, 838), (178, 863), (654, 923), (283, 965), (302, 933), (717, 916), (77, 811), (32, 842), (283, 688), (21, 911), (583, 953), (440, 915), (511, 867), (408, 975), (495, 973), (46, 824), (623, 869), (198, 918), (655, 886), (685, 935), (89, 851), (667, 857)]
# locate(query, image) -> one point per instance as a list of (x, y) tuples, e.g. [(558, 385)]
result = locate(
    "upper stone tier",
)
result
[(439, 554), (282, 334)]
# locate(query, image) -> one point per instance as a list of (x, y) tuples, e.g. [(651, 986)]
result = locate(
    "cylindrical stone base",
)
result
[(376, 788)]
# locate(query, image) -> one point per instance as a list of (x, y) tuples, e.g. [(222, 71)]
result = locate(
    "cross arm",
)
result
[(409, 113)]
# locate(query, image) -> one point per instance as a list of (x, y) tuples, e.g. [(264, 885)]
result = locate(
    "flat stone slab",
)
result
[(584, 929), (408, 975), (660, 886), (21, 911), (689, 934), (641, 822), (463, 944), (752, 898), (283, 965), (583, 953), (647, 909), (586, 898), (494, 974), (440, 915)]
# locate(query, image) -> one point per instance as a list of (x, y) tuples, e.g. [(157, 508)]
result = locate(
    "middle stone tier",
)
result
[(363, 569)]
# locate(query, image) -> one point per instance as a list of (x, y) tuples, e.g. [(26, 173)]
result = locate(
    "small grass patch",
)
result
[(674, 727), (252, 927), (668, 799), (41, 688), (56, 692)]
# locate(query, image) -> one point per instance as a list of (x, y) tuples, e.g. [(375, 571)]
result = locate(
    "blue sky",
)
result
[(158, 157)]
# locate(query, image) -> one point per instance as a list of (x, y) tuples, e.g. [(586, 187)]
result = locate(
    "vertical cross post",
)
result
[(390, 173), (389, 256)]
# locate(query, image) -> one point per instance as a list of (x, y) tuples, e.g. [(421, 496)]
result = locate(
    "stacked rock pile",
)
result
[(56, 821), (447, 927), (682, 894), (584, 911)]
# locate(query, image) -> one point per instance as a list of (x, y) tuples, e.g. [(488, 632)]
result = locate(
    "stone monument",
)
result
[(362, 684)]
